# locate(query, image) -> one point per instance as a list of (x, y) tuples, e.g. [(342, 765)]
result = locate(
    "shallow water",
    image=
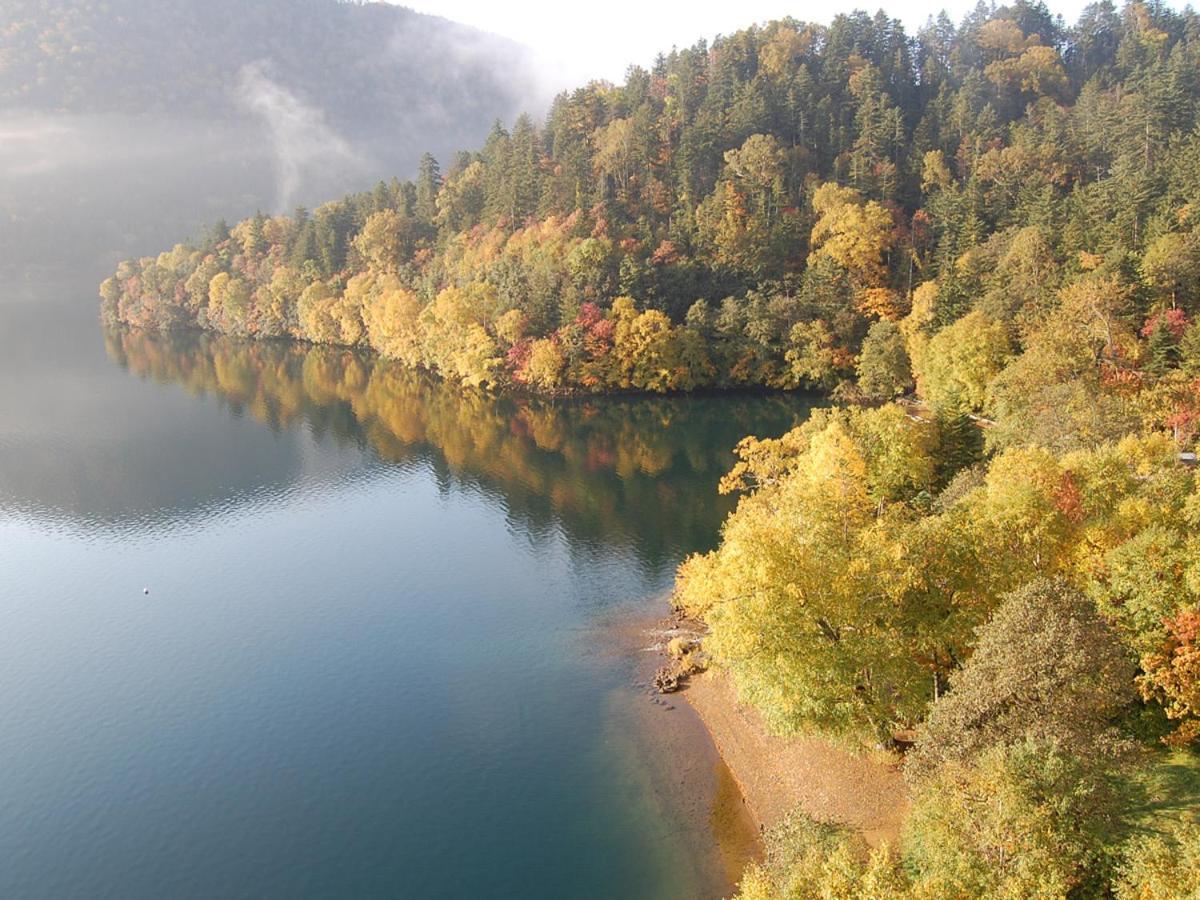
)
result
[(369, 661)]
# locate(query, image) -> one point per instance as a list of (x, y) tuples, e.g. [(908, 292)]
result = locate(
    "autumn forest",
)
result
[(979, 243)]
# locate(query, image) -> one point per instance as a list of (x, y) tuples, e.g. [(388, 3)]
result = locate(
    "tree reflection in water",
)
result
[(639, 471)]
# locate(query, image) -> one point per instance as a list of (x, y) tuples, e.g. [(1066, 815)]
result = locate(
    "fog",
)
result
[(78, 188), (82, 187), (302, 143)]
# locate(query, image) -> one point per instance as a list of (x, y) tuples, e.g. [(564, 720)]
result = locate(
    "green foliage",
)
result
[(961, 361), (810, 184), (884, 370), (807, 860), (1161, 867), (1024, 820), (808, 552), (1143, 584), (1001, 212), (1045, 666)]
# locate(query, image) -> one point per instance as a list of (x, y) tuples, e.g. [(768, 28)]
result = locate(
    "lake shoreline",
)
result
[(779, 775), (776, 776), (693, 784), (507, 389)]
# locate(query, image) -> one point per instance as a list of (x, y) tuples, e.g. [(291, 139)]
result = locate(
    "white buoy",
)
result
[(145, 590)]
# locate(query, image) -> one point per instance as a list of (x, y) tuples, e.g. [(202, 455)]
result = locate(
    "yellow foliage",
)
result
[(853, 234)]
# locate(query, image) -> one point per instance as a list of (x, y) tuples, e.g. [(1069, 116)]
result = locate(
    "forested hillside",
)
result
[(794, 206), (369, 67), (985, 238)]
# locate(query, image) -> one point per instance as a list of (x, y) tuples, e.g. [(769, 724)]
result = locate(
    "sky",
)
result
[(576, 42)]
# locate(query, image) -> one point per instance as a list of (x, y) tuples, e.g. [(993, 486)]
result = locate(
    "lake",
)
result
[(376, 655)]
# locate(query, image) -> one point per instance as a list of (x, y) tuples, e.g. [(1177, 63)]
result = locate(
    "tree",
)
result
[(1161, 866), (1162, 345), (545, 367), (618, 154), (460, 200), (1189, 350), (391, 315), (1044, 667), (1025, 820), (1142, 583), (854, 234), (745, 218), (382, 242), (1172, 675), (1171, 264), (807, 860), (800, 552), (429, 183), (456, 343), (961, 361), (884, 370)]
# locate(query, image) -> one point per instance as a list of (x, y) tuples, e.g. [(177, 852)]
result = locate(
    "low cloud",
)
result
[(302, 141)]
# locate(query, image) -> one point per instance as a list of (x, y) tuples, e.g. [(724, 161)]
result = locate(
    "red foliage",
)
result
[(1173, 675), (589, 315), (921, 228), (665, 254), (1117, 379), (1176, 320), (517, 358), (1185, 415), (1068, 499), (597, 330)]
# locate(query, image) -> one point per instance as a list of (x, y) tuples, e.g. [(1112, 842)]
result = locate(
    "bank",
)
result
[(725, 774)]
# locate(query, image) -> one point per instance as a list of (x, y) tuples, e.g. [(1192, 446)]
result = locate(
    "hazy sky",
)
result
[(600, 39)]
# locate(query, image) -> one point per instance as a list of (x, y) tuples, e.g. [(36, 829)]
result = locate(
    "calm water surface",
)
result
[(370, 662)]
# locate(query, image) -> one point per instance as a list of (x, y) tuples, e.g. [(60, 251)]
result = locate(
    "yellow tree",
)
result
[(960, 361), (391, 315), (858, 237), (793, 595)]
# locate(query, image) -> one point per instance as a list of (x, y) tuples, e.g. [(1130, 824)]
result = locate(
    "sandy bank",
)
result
[(777, 775)]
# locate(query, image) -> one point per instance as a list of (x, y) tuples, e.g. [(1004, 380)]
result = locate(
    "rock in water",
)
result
[(665, 680)]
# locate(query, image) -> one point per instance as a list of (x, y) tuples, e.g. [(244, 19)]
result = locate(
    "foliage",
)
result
[(1044, 666), (1018, 202), (1161, 867), (1024, 820), (807, 860), (1172, 674), (884, 370), (1005, 212), (960, 361)]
